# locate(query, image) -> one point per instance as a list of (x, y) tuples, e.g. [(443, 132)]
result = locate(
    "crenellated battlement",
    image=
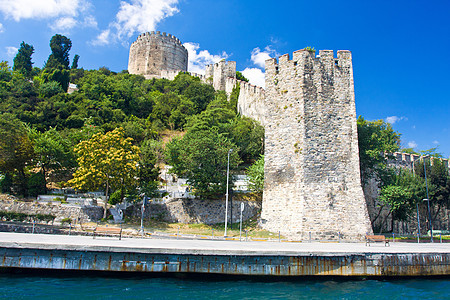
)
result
[(254, 89), (304, 56), (155, 52), (144, 37)]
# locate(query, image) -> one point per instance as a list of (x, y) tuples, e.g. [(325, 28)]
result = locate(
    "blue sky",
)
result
[(400, 48)]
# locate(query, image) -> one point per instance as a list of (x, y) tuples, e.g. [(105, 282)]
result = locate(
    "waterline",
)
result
[(53, 285)]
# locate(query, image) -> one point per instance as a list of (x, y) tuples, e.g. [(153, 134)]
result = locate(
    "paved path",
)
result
[(180, 246)]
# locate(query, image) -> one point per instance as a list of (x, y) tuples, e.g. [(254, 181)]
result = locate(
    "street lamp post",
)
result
[(428, 202), (427, 199), (226, 194)]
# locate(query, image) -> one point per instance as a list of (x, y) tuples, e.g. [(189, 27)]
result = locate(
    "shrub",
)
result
[(45, 218), (115, 198), (66, 221)]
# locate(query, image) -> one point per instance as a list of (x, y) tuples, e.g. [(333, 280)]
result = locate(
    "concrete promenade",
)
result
[(18, 250)]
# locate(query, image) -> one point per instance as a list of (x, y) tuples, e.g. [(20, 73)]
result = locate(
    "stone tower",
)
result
[(312, 176), (154, 52), (220, 72)]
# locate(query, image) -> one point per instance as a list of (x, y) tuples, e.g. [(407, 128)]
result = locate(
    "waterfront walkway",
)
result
[(189, 246), (152, 255)]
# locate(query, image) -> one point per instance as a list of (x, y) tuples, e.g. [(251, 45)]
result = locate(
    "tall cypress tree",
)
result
[(57, 65), (75, 61), (22, 61), (60, 46)]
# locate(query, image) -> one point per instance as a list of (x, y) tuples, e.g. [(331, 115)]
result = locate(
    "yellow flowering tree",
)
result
[(106, 161)]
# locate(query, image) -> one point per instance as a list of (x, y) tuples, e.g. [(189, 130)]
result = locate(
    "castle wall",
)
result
[(312, 177), (153, 52), (220, 72), (222, 76), (379, 214), (251, 101)]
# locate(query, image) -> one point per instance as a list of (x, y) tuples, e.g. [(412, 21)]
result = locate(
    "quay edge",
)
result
[(219, 261)]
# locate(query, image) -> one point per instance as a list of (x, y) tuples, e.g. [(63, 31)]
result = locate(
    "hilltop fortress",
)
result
[(161, 55), (312, 185)]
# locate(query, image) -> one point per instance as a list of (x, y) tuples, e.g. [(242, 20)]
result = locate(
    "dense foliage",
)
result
[(377, 141), (45, 123), (255, 175), (106, 161)]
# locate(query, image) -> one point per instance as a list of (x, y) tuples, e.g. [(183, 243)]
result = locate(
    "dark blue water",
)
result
[(22, 286)]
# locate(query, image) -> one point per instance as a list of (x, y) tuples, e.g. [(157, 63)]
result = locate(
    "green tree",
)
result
[(201, 156), (75, 62), (248, 135), (59, 58), (377, 140), (401, 195), (255, 174), (16, 151), (148, 171), (240, 76), (107, 161), (52, 153), (438, 182), (396, 197), (49, 89), (22, 61), (59, 75), (234, 96)]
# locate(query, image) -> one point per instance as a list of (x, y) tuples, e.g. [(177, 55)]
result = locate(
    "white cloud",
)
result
[(395, 119), (412, 144), (1, 28), (103, 38), (259, 57), (32, 9), (64, 24), (90, 21), (255, 76), (436, 142), (11, 52), (137, 16), (199, 59)]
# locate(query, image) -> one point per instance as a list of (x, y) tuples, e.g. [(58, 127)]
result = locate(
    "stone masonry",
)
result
[(312, 176), (153, 52), (157, 55), (222, 76)]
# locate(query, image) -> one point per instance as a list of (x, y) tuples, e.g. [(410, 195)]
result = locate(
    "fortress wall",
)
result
[(153, 52), (251, 97), (251, 101), (220, 72), (372, 192), (312, 177)]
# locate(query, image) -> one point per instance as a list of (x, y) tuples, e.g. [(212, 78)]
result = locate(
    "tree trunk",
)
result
[(23, 183), (45, 180), (106, 200), (385, 219), (436, 214), (379, 213)]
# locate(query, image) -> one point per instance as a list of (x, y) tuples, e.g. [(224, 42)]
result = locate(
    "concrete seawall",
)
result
[(221, 257)]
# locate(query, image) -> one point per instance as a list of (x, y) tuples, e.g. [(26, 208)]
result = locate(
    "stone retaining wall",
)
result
[(61, 211), (176, 210), (194, 211)]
